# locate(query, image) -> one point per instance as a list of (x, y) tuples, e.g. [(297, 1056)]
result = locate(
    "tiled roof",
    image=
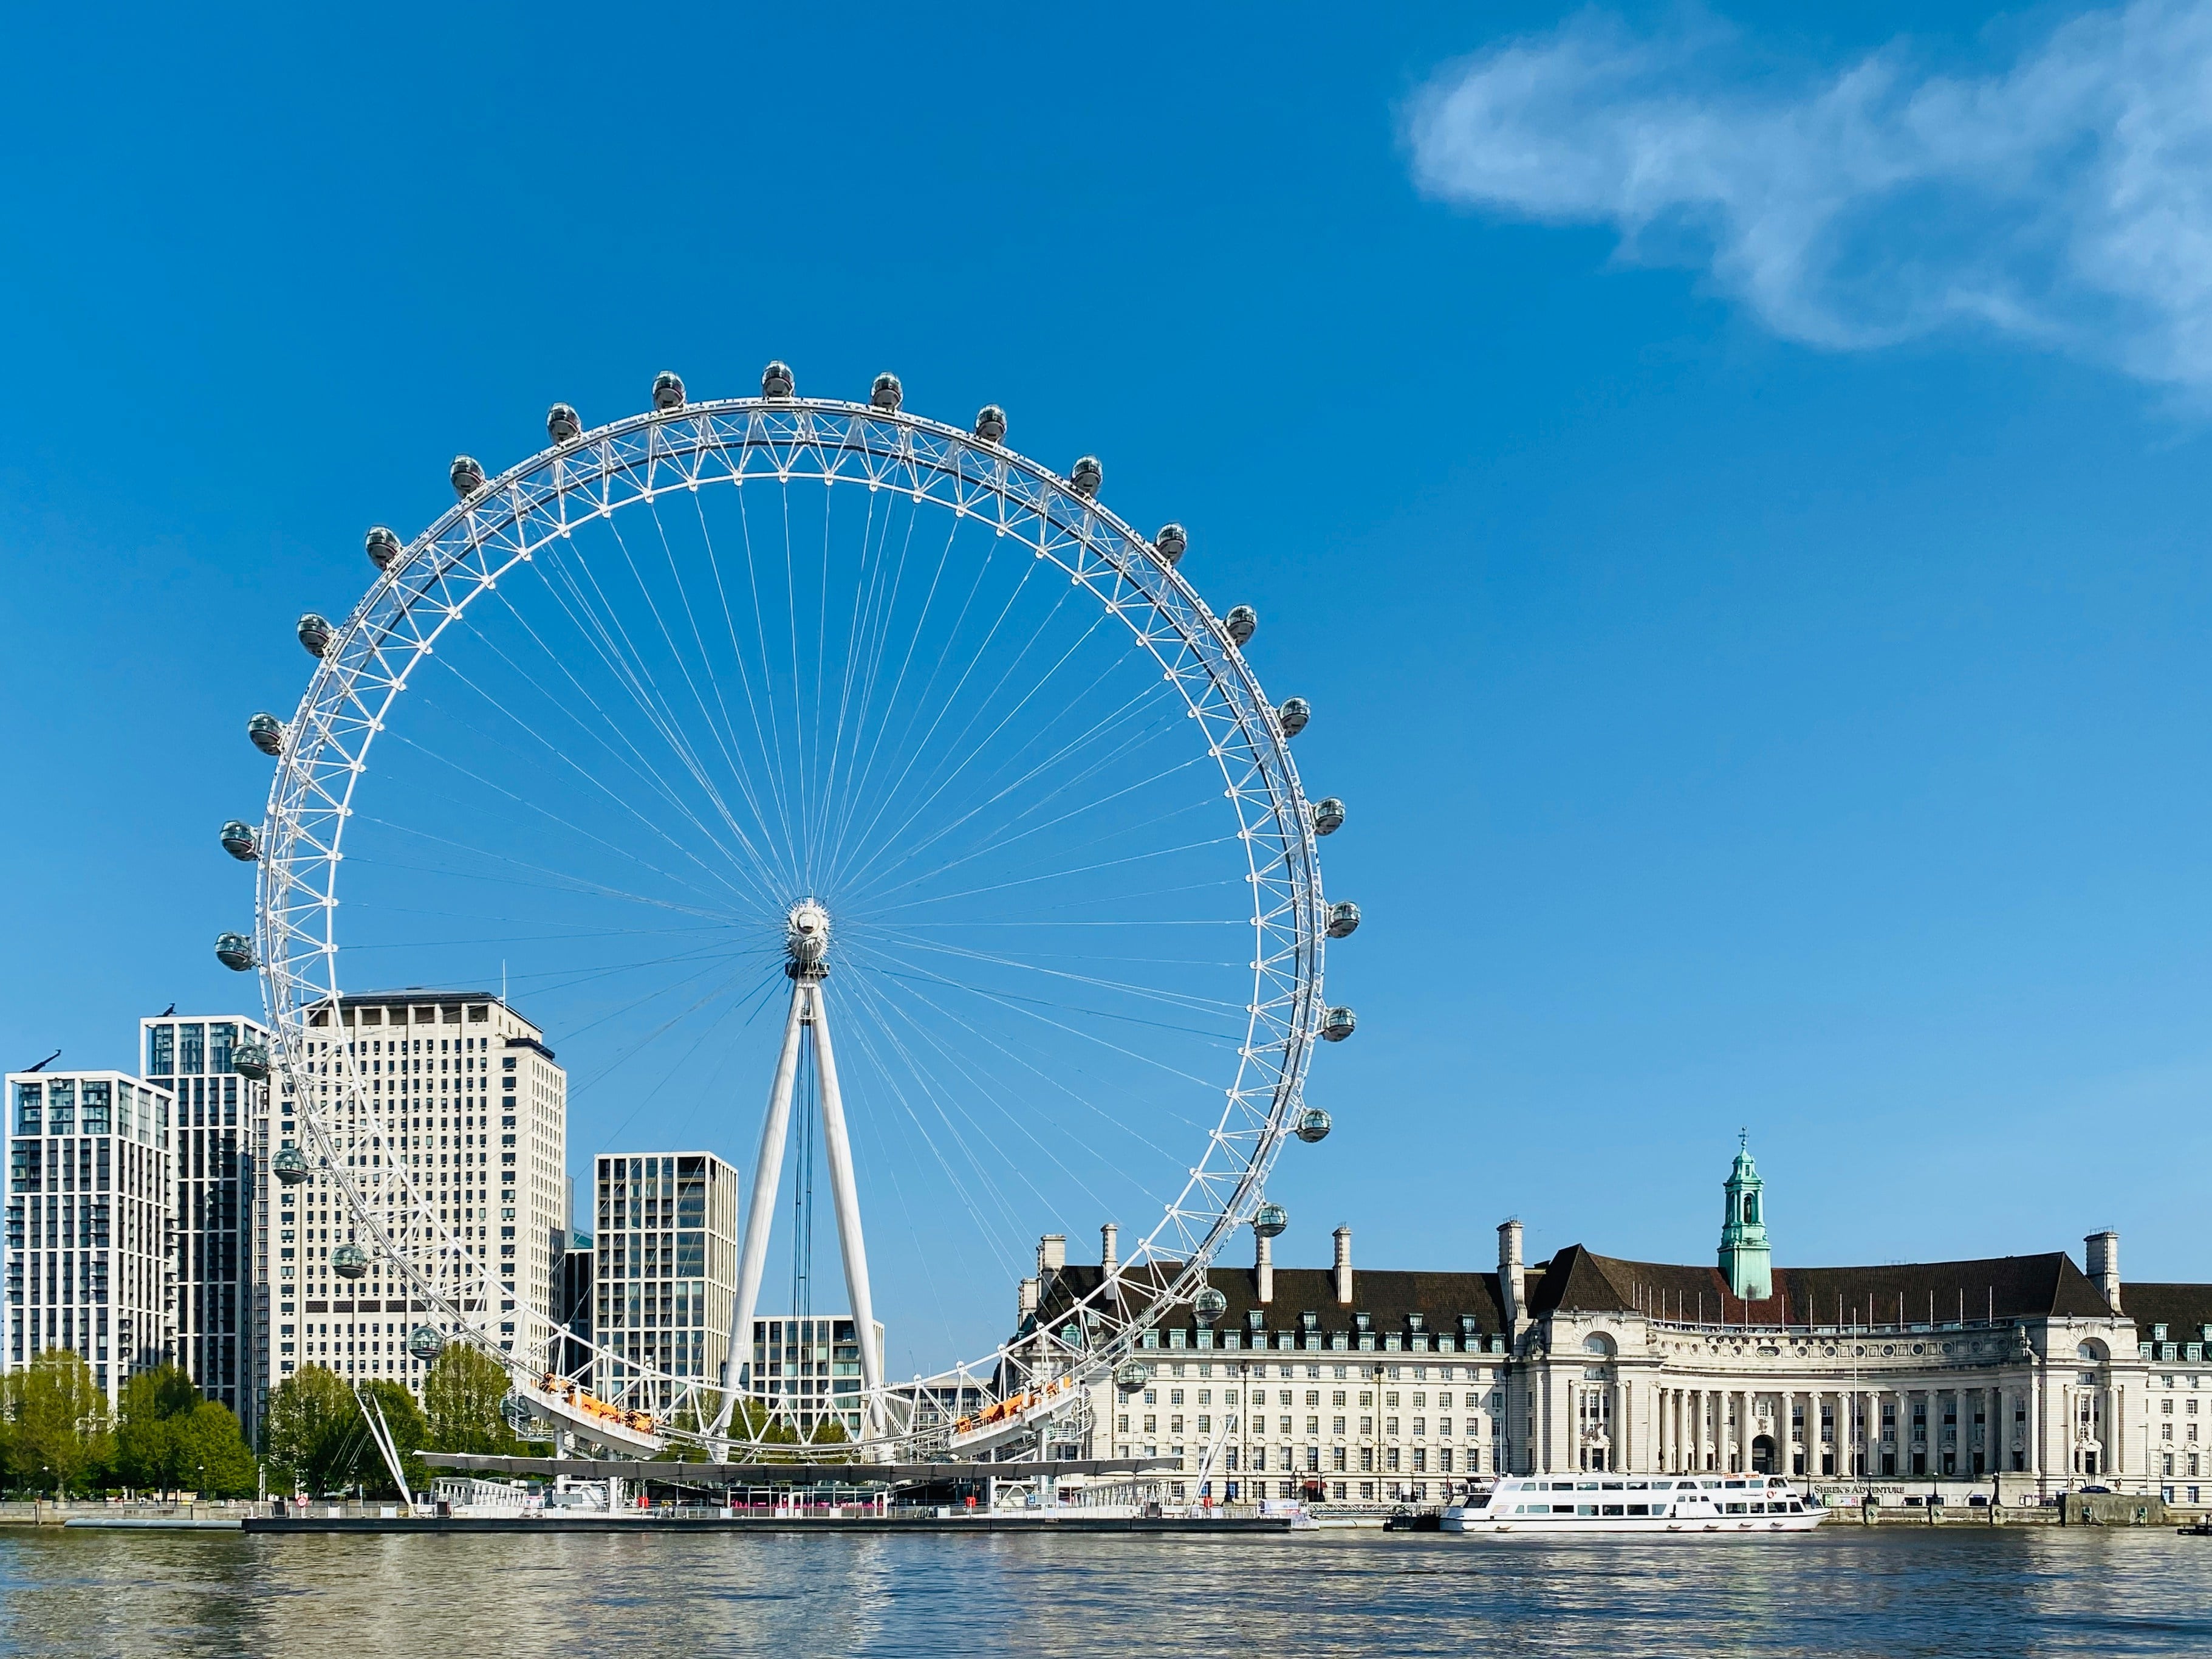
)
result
[(1387, 1297), (1579, 1280), (2000, 1287), (2183, 1310)]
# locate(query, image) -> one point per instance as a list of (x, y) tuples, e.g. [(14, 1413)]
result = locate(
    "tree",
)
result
[(462, 1394), (146, 1452), (410, 1432), (314, 1430), (57, 1423), (209, 1454)]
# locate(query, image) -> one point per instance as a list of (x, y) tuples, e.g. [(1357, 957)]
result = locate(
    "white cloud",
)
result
[(2066, 198)]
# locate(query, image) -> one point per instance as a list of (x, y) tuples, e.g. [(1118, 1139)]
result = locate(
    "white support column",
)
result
[(846, 1193), (760, 1213)]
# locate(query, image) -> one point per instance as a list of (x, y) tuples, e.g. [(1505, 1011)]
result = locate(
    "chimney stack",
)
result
[(1025, 1308), (2103, 1251), (1263, 1262), (1110, 1254), (1344, 1265), (1052, 1253), (1512, 1280)]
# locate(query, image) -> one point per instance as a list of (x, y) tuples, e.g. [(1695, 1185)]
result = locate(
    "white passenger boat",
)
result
[(1688, 1504)]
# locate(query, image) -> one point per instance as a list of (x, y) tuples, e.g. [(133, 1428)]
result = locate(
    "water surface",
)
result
[(1839, 1593)]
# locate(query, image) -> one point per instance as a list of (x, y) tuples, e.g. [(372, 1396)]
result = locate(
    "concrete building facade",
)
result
[(464, 1095), (85, 1258), (2022, 1372)]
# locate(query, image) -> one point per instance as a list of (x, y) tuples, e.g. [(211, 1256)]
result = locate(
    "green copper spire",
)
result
[(1746, 1261)]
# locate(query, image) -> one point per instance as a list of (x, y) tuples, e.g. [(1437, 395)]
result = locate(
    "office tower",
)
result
[(476, 1107)]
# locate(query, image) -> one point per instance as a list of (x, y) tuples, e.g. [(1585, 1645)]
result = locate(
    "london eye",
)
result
[(843, 787)]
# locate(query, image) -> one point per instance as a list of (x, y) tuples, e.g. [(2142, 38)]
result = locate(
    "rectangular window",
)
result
[(192, 1039)]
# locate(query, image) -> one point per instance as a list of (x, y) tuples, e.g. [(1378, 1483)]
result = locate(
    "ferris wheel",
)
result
[(806, 747)]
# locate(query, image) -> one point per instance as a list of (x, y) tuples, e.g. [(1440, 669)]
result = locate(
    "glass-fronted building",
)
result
[(807, 1370), (85, 1258), (665, 1269), (218, 1199)]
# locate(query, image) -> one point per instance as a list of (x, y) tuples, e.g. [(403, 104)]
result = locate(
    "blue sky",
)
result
[(1730, 483)]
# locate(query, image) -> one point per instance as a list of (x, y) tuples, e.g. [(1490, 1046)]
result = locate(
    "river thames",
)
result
[(1843, 1591)]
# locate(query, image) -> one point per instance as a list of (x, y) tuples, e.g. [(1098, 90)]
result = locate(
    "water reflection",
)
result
[(1840, 1593)]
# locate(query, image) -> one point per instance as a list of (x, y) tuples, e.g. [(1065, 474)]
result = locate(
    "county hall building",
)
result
[(2027, 1375)]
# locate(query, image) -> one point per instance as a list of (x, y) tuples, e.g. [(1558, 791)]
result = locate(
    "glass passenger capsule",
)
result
[(234, 951), (777, 382), (1209, 1305), (1087, 475), (250, 1061), (1133, 1375), (349, 1262), (1343, 919), (290, 1164), (1270, 1220), (424, 1343), (563, 424), (314, 631), (1313, 1125), (467, 474), (991, 423), (1294, 714), (240, 841), (1241, 623), (667, 391), (1338, 1024), (1173, 541), (266, 733), (381, 547), (886, 393), (1328, 815)]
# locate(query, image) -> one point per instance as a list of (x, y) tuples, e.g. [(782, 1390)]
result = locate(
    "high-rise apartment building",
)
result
[(664, 1267), (217, 1200), (466, 1098), (806, 1369), (86, 1242)]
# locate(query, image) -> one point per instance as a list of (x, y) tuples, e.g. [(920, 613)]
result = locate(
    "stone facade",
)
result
[(1375, 1387)]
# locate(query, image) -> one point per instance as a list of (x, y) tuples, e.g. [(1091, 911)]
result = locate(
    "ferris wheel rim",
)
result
[(1221, 1200)]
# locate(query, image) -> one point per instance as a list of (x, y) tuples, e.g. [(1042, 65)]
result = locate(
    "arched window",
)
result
[(1750, 1209)]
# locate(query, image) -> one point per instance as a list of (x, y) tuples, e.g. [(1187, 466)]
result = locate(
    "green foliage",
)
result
[(410, 1432), (211, 1456), (313, 1434), (462, 1393), (57, 1431), (147, 1450), (318, 1438), (830, 1432)]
